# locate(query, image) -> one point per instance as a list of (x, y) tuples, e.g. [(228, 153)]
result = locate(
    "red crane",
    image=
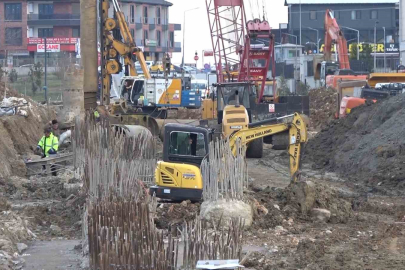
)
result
[(232, 39)]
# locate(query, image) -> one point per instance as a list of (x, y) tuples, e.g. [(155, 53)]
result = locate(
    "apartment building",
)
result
[(24, 25), (148, 21)]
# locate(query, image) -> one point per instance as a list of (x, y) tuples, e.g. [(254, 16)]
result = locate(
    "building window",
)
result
[(45, 32), (312, 15), (76, 8), (145, 15), (133, 33), (145, 37), (12, 12), (171, 45), (356, 14), (374, 15), (76, 32), (45, 11), (132, 14), (159, 40), (13, 36), (158, 15), (292, 53)]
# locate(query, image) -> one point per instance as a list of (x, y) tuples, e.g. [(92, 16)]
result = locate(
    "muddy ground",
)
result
[(364, 231)]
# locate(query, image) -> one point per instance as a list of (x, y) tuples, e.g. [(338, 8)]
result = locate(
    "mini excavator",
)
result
[(178, 176)]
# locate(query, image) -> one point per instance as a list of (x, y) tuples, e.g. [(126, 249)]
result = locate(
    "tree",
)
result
[(353, 52), (282, 87), (35, 75), (12, 76), (366, 56), (302, 89)]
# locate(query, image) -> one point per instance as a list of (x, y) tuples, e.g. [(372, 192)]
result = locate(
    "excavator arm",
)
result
[(333, 35), (297, 136)]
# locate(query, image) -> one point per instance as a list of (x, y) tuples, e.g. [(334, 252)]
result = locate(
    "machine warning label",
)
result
[(258, 134), (272, 108)]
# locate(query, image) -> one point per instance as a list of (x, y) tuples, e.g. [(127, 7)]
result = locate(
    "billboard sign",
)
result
[(49, 47)]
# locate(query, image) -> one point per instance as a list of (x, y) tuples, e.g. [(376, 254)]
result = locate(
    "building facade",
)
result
[(24, 25), (361, 15)]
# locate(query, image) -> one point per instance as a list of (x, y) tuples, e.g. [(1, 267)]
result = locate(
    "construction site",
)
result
[(233, 174)]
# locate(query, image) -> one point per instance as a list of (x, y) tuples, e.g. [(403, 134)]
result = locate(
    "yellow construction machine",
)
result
[(178, 176)]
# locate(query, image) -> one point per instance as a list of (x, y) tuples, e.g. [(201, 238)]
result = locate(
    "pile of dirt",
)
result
[(296, 203), (184, 113), (19, 135), (174, 214), (322, 104), (365, 147)]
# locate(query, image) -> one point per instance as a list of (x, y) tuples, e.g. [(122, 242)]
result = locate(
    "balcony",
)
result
[(54, 19), (152, 23), (177, 27)]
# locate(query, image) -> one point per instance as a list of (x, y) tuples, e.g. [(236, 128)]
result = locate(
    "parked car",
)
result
[(158, 67)]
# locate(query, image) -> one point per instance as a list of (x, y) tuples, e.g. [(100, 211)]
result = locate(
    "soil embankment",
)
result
[(366, 147)]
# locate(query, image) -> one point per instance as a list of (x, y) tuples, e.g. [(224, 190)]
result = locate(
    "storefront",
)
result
[(58, 50)]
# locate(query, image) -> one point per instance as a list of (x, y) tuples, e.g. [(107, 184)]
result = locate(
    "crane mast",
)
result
[(232, 37), (112, 49), (227, 22)]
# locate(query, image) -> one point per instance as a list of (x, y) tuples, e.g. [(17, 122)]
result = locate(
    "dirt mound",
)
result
[(367, 146), (184, 113), (322, 103), (297, 201), (20, 134), (174, 214)]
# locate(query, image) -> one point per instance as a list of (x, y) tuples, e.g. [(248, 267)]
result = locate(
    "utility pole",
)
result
[(385, 40), (46, 64), (375, 46), (300, 25), (184, 33)]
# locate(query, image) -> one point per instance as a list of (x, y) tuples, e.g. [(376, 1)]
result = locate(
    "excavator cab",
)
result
[(178, 176), (327, 68), (226, 93)]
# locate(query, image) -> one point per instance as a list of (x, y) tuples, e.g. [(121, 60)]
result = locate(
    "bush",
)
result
[(282, 87), (12, 76), (2, 72)]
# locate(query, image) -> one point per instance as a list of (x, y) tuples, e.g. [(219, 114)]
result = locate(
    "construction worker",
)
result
[(48, 145), (55, 128)]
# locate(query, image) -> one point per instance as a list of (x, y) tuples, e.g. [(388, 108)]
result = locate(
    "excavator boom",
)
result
[(333, 35), (297, 136)]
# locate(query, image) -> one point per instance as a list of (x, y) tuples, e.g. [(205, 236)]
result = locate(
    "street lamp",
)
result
[(184, 31), (385, 40), (375, 45), (317, 37), (358, 39)]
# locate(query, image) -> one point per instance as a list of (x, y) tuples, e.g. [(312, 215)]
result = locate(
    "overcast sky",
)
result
[(197, 29)]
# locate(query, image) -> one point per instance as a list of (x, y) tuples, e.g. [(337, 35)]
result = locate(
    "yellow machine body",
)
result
[(234, 118), (180, 180), (169, 174)]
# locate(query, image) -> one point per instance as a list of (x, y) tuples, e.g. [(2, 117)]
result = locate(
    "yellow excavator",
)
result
[(178, 176)]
